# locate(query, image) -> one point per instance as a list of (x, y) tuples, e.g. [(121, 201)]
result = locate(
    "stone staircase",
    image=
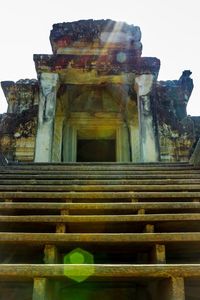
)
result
[(139, 222)]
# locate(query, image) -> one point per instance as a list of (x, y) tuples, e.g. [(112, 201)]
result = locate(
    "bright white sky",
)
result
[(170, 31)]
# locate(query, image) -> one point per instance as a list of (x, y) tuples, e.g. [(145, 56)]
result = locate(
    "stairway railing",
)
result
[(3, 160), (195, 157)]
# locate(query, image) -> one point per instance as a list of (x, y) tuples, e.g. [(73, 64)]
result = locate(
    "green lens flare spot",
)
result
[(77, 258), (78, 265)]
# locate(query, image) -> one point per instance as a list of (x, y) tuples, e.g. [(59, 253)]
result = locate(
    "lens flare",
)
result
[(78, 265)]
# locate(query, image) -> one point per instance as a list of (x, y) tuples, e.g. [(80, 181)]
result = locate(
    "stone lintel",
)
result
[(104, 65)]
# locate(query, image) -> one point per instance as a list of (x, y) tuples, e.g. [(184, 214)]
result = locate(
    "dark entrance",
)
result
[(96, 150)]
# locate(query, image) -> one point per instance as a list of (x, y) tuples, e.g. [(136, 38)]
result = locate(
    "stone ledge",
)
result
[(93, 238), (134, 207), (98, 195), (106, 271), (51, 219)]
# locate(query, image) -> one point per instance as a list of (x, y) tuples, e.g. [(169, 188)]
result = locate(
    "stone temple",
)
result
[(99, 174), (97, 99)]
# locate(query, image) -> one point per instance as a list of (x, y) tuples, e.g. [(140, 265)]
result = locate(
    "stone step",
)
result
[(58, 239), (158, 163), (106, 271), (100, 172), (178, 229), (101, 188), (41, 181), (132, 207), (100, 165), (100, 195), (89, 176), (148, 218)]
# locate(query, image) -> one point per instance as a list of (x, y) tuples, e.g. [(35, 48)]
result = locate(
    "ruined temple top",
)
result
[(96, 34), (105, 46)]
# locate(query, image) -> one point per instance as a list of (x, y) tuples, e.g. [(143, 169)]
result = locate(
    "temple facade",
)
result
[(97, 99)]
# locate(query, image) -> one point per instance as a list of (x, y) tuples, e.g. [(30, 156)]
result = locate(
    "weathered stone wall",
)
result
[(177, 131), (18, 125), (21, 95)]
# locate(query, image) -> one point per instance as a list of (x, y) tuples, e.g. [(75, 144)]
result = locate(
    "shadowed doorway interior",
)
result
[(96, 145), (96, 150), (95, 140)]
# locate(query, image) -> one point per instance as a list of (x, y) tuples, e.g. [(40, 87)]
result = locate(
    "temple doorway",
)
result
[(96, 150), (95, 139), (96, 144)]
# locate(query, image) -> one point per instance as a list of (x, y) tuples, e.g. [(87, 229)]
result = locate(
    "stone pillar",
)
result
[(58, 139), (40, 289), (47, 106), (135, 143), (122, 144), (50, 254), (158, 255), (148, 140), (171, 289), (125, 143), (149, 228), (69, 143)]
